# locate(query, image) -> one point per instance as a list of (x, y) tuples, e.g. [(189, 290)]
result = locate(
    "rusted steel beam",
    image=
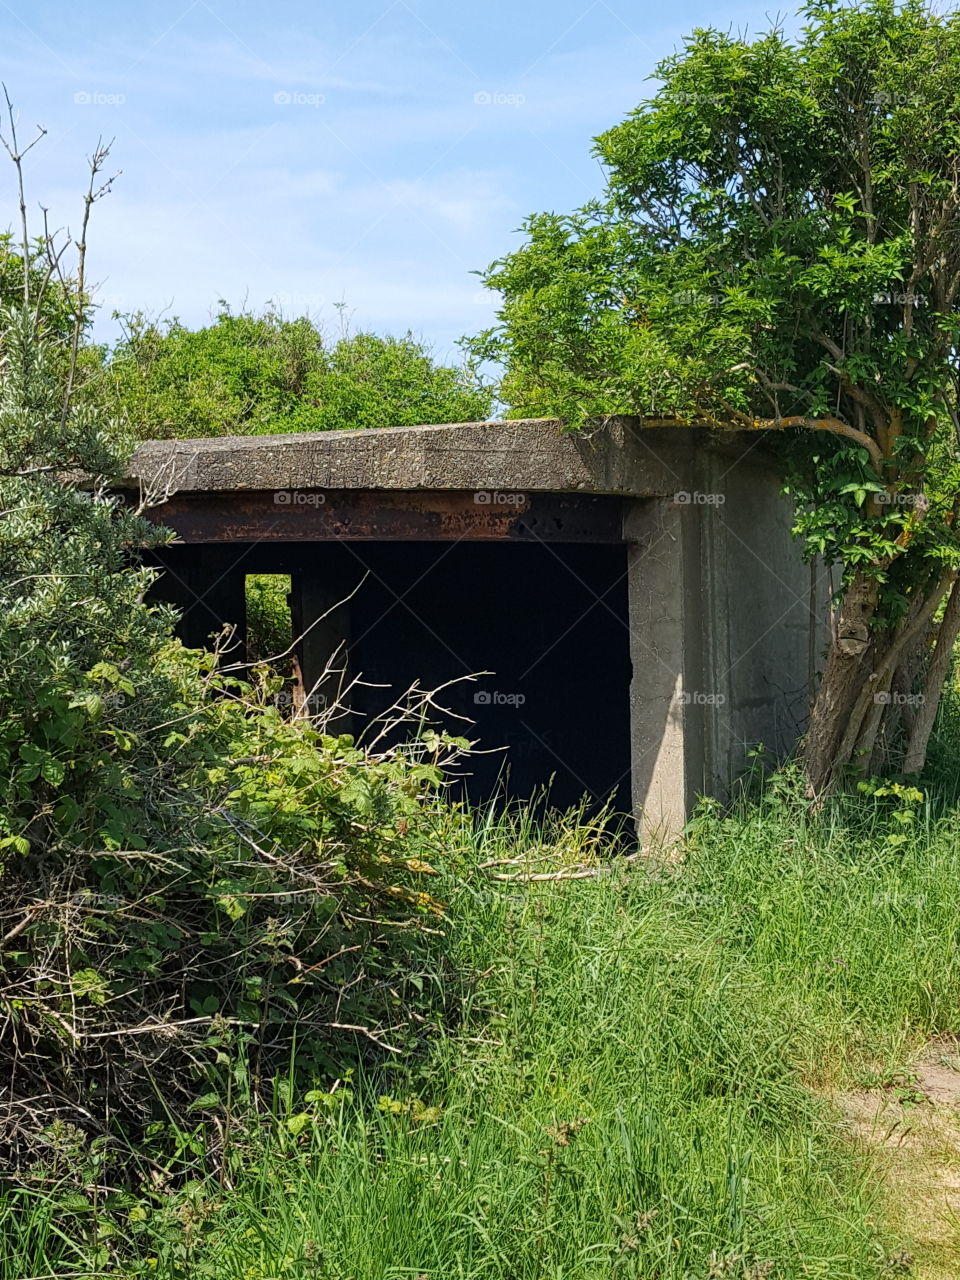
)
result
[(366, 515)]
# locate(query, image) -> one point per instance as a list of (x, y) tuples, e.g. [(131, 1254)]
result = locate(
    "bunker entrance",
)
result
[(548, 626), (543, 628)]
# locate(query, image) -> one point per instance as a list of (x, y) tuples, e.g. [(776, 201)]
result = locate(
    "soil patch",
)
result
[(912, 1125)]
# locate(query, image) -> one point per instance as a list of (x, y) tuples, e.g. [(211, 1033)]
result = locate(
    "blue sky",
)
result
[(371, 153)]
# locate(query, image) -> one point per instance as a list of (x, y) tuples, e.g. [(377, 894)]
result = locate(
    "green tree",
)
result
[(778, 249), (254, 374)]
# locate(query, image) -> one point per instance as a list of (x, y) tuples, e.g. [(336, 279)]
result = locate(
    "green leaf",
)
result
[(232, 906), (296, 1124), (208, 1101), (53, 772)]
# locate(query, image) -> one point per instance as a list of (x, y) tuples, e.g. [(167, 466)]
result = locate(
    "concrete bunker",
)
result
[(635, 596)]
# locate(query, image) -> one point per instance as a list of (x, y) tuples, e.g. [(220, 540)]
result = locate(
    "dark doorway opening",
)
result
[(549, 623)]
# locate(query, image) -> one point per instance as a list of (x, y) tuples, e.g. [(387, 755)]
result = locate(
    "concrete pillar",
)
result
[(666, 654)]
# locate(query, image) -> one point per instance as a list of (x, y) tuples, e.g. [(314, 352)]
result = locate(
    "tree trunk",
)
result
[(855, 689), (845, 671), (926, 714), (898, 714)]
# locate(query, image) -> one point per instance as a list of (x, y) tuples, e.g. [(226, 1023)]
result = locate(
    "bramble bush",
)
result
[(190, 883)]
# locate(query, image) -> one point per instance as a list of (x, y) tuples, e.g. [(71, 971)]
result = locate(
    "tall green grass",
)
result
[(853, 915), (635, 1084), (627, 1109)]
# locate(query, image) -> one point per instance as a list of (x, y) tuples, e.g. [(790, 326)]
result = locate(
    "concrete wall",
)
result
[(765, 619), (727, 628)]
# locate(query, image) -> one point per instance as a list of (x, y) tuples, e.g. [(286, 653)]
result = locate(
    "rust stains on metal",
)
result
[(366, 515)]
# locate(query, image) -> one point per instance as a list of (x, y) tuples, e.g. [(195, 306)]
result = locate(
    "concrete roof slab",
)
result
[(530, 454)]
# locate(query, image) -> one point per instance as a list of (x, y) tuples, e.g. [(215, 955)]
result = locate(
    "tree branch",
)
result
[(835, 426)]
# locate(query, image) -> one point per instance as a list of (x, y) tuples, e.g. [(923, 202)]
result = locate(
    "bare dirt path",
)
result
[(911, 1124)]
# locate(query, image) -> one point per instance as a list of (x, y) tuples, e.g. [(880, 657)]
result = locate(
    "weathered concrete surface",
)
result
[(531, 455), (764, 618), (726, 623), (666, 750), (727, 628)]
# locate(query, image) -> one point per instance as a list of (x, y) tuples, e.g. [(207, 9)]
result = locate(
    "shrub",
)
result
[(190, 883), (249, 375), (269, 625)]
